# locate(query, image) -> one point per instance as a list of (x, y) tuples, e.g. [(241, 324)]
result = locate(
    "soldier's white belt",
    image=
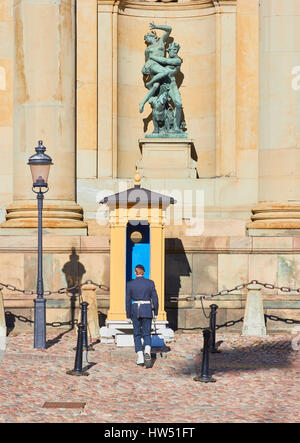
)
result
[(139, 303), (142, 302)]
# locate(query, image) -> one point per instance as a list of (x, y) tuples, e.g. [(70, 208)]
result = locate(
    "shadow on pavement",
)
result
[(251, 358), (161, 352), (277, 355), (88, 366), (54, 341)]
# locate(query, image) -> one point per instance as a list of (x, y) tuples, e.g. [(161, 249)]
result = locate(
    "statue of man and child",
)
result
[(163, 95)]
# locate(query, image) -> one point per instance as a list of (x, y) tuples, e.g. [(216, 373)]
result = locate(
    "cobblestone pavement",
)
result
[(257, 380)]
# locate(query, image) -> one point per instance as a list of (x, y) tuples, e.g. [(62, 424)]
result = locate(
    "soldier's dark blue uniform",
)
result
[(139, 293)]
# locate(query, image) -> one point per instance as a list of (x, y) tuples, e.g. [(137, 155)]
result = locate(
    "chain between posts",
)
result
[(67, 290), (172, 299), (289, 321), (59, 291), (230, 323), (54, 324), (236, 288)]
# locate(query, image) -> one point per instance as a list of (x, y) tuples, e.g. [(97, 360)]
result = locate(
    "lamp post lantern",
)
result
[(40, 166)]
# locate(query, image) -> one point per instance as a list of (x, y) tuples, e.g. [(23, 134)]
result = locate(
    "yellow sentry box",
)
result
[(136, 218)]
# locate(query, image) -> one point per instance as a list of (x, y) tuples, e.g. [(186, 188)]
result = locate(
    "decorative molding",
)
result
[(222, 6), (271, 215), (165, 5), (56, 214)]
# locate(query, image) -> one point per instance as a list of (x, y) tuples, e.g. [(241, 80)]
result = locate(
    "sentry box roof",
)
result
[(138, 195)]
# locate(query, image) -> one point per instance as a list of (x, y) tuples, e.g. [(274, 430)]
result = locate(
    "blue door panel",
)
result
[(140, 256), (137, 253)]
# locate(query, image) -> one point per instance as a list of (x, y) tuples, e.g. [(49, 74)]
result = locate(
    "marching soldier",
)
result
[(140, 297)]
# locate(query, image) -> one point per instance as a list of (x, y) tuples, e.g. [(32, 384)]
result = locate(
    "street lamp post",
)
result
[(40, 167)]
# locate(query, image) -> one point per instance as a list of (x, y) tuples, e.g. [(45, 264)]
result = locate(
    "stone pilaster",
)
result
[(157, 266), (225, 87), (44, 109), (117, 264), (6, 102), (278, 192), (107, 88)]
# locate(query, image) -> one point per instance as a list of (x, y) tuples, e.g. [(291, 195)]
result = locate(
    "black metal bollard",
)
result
[(73, 306), (84, 306), (85, 345), (205, 377), (212, 326), (78, 357)]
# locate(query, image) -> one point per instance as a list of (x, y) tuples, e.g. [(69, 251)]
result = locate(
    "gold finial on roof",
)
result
[(137, 178)]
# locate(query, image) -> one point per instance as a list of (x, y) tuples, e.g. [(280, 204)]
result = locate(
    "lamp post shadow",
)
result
[(74, 271)]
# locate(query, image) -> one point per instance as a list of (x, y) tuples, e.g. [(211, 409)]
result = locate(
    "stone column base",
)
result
[(167, 157), (275, 216), (56, 214)]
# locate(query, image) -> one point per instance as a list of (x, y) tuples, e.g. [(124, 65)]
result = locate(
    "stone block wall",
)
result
[(195, 266), (206, 265)]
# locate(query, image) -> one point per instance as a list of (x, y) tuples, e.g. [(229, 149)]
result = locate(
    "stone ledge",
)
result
[(32, 232), (62, 241), (54, 241), (273, 232)]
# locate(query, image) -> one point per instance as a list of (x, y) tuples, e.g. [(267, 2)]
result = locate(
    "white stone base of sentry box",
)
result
[(121, 332)]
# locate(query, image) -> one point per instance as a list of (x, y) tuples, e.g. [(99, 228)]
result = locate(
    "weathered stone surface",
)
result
[(30, 271), (289, 270), (232, 271), (12, 269), (263, 267), (205, 273)]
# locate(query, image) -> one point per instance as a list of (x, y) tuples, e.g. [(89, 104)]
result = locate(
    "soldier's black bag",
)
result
[(156, 340)]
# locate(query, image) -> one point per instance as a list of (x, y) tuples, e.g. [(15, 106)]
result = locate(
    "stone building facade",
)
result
[(70, 75)]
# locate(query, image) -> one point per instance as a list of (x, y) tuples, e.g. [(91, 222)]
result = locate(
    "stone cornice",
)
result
[(224, 2), (161, 5), (221, 4), (211, 6)]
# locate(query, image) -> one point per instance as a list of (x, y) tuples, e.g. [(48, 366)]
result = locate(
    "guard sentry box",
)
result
[(136, 237)]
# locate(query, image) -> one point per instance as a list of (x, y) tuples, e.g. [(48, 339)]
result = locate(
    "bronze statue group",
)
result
[(160, 79)]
